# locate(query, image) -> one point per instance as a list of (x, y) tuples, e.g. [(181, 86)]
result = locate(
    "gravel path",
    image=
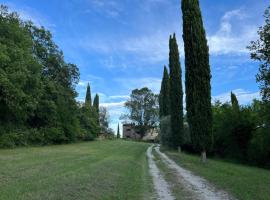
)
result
[(197, 186), (161, 186)]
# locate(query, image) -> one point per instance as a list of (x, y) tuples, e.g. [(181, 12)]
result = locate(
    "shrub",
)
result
[(259, 148), (54, 135)]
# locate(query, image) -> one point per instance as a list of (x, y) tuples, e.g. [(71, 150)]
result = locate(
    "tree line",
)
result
[(37, 89), (228, 129)]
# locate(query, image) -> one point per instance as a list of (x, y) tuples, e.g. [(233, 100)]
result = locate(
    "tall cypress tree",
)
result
[(118, 132), (198, 76), (96, 103), (88, 100), (176, 95), (234, 102), (96, 108), (164, 96)]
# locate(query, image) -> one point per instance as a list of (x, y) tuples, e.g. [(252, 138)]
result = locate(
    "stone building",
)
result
[(129, 132)]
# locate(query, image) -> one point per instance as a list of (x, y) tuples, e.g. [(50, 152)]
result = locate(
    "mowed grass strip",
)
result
[(93, 170), (244, 182)]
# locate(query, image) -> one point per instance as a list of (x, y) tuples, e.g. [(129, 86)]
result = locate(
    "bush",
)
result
[(88, 137), (54, 135), (14, 138), (36, 137), (6, 141), (259, 148)]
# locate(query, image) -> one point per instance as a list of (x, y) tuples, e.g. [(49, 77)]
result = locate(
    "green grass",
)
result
[(244, 182), (94, 170)]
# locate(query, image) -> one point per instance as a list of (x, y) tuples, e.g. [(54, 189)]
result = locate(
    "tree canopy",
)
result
[(142, 109), (260, 51), (37, 88)]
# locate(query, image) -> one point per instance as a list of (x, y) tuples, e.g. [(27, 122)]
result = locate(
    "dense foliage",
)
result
[(164, 95), (229, 130), (104, 120), (37, 88), (198, 76), (260, 51), (142, 110), (175, 95), (243, 132)]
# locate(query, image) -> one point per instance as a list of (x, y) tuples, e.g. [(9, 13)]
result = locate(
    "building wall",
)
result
[(129, 132)]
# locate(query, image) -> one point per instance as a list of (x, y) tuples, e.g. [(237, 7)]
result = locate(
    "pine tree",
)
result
[(164, 97), (198, 76), (118, 132), (88, 100), (176, 95)]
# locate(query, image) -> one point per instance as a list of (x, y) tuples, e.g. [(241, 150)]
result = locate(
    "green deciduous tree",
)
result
[(20, 73), (37, 87), (198, 76), (175, 95), (104, 120), (260, 51), (142, 109)]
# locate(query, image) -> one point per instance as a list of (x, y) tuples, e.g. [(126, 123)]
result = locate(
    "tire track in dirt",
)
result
[(200, 188), (161, 186)]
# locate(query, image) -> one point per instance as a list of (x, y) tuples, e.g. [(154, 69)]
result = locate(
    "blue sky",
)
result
[(120, 45)]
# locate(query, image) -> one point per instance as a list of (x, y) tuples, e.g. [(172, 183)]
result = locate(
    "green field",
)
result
[(95, 170), (244, 182), (112, 170)]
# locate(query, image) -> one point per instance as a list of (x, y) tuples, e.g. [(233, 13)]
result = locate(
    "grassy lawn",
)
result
[(244, 182), (94, 170)]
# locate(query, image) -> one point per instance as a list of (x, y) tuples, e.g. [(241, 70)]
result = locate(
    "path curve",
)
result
[(200, 187), (161, 186)]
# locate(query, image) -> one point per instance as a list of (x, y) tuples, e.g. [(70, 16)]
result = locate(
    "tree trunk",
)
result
[(179, 149), (203, 156)]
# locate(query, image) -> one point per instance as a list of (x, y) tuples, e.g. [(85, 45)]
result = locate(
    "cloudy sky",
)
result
[(120, 45)]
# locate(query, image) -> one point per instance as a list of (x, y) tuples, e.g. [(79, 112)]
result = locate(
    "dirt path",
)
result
[(161, 186), (197, 186)]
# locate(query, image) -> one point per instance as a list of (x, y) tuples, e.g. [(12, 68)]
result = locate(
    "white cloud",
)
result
[(244, 96), (113, 104), (233, 35), (108, 8), (119, 97), (132, 83), (146, 48)]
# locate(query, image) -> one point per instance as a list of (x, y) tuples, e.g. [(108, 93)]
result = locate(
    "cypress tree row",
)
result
[(88, 99), (198, 76), (176, 95), (164, 96), (118, 132)]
